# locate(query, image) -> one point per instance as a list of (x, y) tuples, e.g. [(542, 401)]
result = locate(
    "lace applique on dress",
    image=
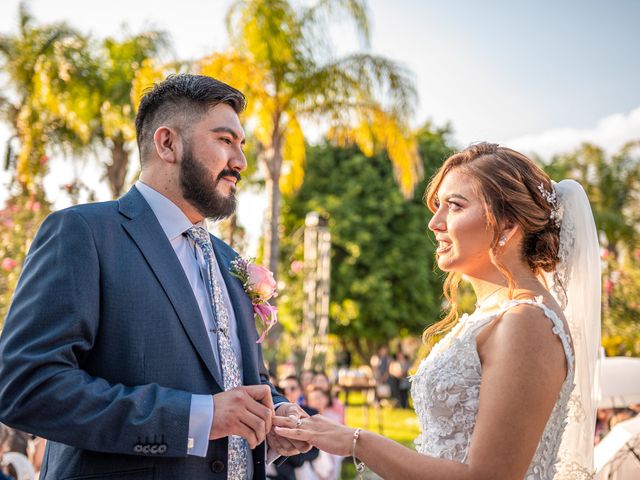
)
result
[(446, 393)]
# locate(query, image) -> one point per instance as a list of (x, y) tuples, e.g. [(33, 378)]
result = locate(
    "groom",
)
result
[(128, 344)]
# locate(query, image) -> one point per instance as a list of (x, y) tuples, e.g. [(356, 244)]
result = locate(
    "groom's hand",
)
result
[(244, 411), (288, 414)]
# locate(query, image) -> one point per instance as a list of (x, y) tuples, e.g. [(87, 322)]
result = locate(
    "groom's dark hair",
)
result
[(180, 101)]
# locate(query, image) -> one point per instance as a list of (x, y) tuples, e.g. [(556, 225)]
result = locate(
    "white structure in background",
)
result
[(617, 456), (619, 382), (317, 271)]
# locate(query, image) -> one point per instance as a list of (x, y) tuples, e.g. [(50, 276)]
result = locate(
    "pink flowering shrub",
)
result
[(20, 218), (621, 306)]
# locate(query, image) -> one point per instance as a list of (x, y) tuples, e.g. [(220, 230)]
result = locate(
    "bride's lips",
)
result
[(443, 246)]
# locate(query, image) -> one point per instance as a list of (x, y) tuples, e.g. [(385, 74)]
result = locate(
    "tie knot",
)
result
[(200, 236)]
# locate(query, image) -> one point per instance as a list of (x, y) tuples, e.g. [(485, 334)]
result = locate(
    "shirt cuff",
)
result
[(200, 421)]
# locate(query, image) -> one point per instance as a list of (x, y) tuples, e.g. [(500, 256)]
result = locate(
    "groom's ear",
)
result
[(168, 144)]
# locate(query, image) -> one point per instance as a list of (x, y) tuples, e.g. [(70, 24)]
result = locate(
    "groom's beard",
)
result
[(198, 191)]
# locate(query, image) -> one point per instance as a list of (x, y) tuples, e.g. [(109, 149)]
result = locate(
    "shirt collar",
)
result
[(172, 220)]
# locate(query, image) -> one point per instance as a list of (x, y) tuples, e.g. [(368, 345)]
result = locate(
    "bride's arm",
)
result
[(523, 371)]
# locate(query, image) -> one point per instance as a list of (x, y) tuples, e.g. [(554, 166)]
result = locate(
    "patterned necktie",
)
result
[(238, 447)]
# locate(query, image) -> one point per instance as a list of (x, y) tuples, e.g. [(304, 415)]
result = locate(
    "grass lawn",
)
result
[(398, 424)]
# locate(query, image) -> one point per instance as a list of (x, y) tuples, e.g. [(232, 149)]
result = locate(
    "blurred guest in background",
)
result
[(399, 379), (603, 416), (380, 366), (620, 415), (291, 389), (4, 435), (306, 377), (35, 453), (334, 408)]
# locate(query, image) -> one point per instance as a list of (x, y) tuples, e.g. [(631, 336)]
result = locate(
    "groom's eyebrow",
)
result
[(230, 131)]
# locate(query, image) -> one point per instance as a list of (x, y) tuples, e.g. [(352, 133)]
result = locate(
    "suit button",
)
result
[(217, 466)]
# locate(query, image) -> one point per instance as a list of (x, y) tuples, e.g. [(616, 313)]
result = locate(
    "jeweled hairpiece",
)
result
[(552, 200)]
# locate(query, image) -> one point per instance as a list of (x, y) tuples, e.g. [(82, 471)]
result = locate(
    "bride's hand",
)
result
[(320, 432), (287, 414)]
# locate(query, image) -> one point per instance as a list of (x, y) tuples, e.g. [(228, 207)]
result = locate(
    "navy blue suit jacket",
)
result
[(104, 344)]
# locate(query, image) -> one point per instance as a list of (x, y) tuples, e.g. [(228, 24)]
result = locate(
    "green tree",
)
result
[(41, 64), (613, 186), (383, 282), (44, 66), (281, 59), (117, 63), (621, 313), (75, 93), (612, 183)]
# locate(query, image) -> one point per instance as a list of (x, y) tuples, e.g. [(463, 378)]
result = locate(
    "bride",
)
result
[(507, 392)]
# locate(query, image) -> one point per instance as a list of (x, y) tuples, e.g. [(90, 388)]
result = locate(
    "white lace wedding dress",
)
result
[(446, 390)]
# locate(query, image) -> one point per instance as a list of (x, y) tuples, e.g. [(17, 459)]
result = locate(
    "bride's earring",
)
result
[(502, 241)]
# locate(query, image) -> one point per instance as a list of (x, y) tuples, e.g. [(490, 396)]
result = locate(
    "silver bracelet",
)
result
[(359, 465)]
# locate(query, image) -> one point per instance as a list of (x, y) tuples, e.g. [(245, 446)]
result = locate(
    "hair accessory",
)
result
[(359, 465), (552, 200)]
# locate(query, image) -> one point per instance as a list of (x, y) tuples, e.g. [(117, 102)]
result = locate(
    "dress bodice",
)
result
[(446, 393)]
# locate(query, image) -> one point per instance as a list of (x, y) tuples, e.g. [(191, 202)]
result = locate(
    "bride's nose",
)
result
[(437, 222)]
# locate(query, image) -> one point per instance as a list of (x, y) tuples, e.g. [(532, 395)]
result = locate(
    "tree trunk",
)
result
[(231, 234), (272, 162), (272, 222), (117, 170)]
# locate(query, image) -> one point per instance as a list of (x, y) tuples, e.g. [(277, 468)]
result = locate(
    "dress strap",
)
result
[(558, 325)]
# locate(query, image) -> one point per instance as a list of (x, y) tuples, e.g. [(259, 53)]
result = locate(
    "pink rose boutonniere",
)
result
[(259, 284)]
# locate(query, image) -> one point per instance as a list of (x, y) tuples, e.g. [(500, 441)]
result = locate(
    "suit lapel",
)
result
[(146, 232), (243, 310)]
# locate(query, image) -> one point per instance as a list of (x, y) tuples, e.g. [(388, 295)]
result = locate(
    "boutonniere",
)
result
[(259, 284)]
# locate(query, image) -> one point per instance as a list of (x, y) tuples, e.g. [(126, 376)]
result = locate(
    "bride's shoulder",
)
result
[(531, 316), (526, 331)]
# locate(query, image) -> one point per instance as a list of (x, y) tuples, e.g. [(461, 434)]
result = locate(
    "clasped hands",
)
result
[(248, 412)]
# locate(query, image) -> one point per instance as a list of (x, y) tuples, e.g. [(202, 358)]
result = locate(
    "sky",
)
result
[(541, 77)]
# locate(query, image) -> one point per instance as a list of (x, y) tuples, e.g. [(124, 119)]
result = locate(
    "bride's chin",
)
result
[(444, 266)]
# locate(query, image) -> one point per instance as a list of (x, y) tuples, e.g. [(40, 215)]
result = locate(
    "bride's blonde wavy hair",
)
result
[(509, 185)]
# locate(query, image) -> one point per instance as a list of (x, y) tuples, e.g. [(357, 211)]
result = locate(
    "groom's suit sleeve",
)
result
[(49, 332)]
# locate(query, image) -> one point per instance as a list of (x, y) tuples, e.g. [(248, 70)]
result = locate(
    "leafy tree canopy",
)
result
[(383, 282)]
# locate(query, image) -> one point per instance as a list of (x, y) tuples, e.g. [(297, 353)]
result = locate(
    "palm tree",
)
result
[(117, 64), (613, 186), (281, 60), (39, 62)]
